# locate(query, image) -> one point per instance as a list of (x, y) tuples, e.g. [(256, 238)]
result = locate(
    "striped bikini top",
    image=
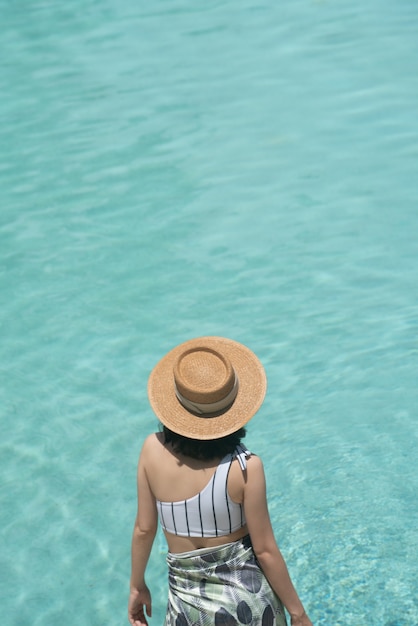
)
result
[(211, 512)]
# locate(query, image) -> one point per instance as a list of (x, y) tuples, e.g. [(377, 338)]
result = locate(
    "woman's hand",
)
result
[(300, 620), (139, 598)]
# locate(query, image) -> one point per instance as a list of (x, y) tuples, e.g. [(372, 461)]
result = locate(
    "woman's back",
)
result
[(175, 478)]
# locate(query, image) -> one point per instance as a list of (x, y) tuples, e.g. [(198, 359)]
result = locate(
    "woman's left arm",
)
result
[(142, 539)]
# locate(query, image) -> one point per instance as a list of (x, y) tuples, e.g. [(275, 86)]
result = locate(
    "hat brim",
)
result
[(250, 396)]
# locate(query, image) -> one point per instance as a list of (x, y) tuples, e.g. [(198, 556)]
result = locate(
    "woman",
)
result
[(209, 494)]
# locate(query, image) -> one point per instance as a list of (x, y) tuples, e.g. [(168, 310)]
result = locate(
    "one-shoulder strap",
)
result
[(242, 453)]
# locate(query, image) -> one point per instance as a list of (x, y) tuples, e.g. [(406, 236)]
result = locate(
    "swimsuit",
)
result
[(222, 585), (211, 512)]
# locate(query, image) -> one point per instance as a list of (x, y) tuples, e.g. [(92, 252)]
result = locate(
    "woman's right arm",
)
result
[(264, 543)]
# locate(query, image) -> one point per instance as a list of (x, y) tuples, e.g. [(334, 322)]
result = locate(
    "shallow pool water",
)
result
[(174, 169)]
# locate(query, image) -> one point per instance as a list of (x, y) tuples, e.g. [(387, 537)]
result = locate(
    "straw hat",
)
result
[(207, 387)]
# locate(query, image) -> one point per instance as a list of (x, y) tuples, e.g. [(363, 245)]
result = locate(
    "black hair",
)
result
[(203, 450)]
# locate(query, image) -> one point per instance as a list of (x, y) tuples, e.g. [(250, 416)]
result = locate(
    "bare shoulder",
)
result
[(240, 481), (254, 468), (151, 446), (255, 473), (255, 464), (153, 440)]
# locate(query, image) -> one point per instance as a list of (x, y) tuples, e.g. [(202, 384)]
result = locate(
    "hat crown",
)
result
[(204, 375)]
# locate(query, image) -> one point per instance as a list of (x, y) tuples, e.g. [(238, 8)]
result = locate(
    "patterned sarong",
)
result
[(221, 586)]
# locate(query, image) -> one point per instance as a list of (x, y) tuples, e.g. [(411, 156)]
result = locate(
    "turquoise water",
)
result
[(174, 169)]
